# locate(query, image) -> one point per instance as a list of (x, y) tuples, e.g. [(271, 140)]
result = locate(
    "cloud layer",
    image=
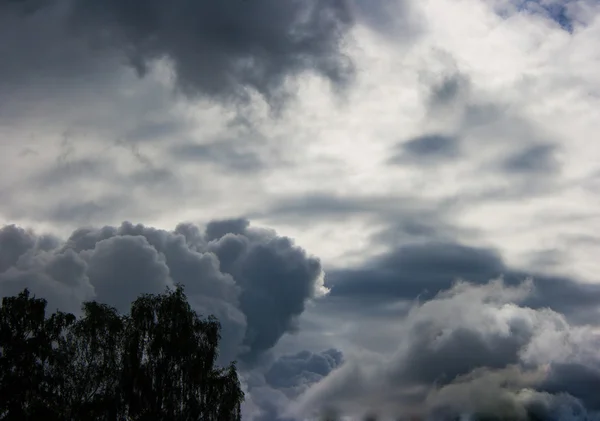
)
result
[(226, 50)]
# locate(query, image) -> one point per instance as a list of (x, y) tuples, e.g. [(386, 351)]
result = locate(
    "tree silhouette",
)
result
[(156, 363)]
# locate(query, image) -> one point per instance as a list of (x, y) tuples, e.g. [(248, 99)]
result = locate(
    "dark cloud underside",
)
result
[(431, 147), (537, 159), (219, 49), (422, 270)]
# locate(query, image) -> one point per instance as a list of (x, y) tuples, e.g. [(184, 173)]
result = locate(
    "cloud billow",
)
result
[(303, 368), (273, 387), (476, 351), (256, 282)]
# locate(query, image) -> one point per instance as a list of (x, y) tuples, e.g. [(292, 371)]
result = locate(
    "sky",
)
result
[(390, 205)]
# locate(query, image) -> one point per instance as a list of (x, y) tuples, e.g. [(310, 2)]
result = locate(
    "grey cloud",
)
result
[(275, 386), (154, 177), (273, 275), (84, 211), (486, 394), (473, 350), (233, 156), (81, 190), (447, 92), (65, 172), (526, 152), (491, 136), (156, 129), (325, 204), (444, 363), (302, 369), (28, 260), (481, 114), (421, 270), (391, 207), (545, 406), (539, 159), (218, 49), (269, 403), (577, 380), (14, 242), (218, 229), (546, 258), (392, 18), (432, 147), (253, 280), (404, 218), (415, 270), (127, 264), (43, 58), (425, 224)]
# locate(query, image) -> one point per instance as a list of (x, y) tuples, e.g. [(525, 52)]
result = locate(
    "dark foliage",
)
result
[(157, 363)]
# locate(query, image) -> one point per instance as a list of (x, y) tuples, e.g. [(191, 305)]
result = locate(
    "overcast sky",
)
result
[(320, 174)]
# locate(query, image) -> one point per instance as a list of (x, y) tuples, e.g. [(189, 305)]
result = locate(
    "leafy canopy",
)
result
[(156, 363)]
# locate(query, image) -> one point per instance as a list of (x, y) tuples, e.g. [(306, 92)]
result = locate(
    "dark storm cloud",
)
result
[(217, 48), (253, 280), (43, 55), (14, 242), (302, 369), (273, 387), (580, 380), (28, 260), (217, 229), (417, 270), (478, 351), (422, 270), (276, 279), (123, 264)]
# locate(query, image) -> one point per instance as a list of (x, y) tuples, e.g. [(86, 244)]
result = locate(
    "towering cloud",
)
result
[(254, 281)]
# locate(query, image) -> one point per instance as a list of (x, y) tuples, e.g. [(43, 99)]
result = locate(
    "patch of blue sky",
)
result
[(556, 10)]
